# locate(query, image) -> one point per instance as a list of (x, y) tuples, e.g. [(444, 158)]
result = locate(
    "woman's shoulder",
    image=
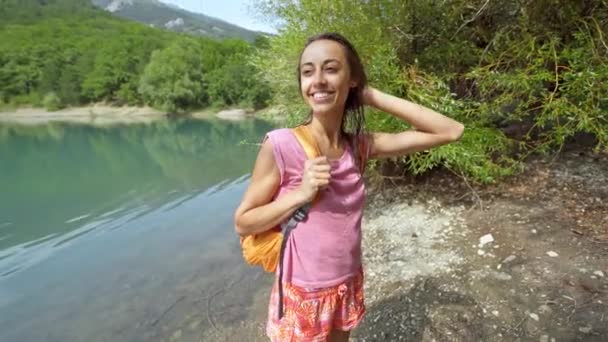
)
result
[(279, 131), (280, 135)]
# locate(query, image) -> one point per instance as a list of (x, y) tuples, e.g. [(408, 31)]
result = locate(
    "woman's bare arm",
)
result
[(257, 211), (431, 128)]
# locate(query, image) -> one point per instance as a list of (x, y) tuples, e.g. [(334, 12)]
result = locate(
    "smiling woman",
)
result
[(322, 286)]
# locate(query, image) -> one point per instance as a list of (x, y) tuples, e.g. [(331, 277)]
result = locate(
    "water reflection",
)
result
[(62, 182), (103, 229)]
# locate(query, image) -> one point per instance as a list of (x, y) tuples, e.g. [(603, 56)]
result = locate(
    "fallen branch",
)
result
[(209, 316), (479, 200), (472, 19), (167, 310)]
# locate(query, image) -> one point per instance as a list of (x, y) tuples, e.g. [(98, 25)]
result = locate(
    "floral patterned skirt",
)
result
[(309, 315)]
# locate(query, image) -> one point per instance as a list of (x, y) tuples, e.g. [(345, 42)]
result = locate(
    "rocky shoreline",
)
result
[(101, 114), (97, 114)]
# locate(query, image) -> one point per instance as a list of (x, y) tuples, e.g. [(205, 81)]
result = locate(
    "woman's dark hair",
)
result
[(353, 120)]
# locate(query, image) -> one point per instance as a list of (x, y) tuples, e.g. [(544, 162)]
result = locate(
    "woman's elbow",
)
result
[(456, 132), (239, 226), (239, 230)]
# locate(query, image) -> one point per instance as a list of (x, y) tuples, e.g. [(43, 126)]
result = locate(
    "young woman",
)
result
[(322, 281)]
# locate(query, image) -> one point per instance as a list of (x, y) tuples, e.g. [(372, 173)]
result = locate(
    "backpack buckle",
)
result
[(300, 214)]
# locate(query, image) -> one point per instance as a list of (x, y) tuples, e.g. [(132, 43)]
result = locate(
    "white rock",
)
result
[(495, 313), (480, 252), (501, 276), (232, 114), (177, 22), (552, 254), (584, 330), (509, 259), (485, 240), (545, 309), (534, 316), (533, 231), (599, 274)]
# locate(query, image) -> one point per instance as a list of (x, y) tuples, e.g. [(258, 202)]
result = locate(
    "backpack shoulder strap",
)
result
[(309, 145), (307, 141)]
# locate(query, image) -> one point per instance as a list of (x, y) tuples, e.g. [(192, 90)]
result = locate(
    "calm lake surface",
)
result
[(124, 233)]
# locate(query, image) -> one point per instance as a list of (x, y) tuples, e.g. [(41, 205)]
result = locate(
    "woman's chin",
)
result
[(324, 108)]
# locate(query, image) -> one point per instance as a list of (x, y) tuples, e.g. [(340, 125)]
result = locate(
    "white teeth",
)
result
[(320, 96)]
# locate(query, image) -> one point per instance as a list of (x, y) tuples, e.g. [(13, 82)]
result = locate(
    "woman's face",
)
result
[(325, 77)]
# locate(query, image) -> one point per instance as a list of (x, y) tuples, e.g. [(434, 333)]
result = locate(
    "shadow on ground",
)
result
[(423, 313)]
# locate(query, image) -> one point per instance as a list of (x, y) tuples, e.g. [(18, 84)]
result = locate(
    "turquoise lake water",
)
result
[(123, 233)]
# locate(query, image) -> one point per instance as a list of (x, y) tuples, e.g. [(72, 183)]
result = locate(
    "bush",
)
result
[(173, 80), (52, 102)]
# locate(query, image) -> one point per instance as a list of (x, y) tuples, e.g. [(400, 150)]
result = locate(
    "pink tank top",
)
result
[(325, 249)]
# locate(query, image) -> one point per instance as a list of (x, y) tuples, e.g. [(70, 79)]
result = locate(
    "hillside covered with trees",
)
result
[(173, 18), (58, 53)]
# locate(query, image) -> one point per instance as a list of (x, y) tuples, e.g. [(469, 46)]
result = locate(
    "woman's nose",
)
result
[(319, 78)]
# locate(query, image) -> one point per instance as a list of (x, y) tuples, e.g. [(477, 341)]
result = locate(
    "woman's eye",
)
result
[(306, 72), (331, 69)]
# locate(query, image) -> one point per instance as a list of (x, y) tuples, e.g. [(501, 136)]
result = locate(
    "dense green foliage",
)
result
[(66, 52), (522, 75)]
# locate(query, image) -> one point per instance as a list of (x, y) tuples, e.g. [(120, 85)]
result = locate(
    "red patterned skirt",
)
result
[(309, 315)]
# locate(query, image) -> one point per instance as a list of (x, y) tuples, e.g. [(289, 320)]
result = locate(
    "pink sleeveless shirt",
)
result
[(325, 249)]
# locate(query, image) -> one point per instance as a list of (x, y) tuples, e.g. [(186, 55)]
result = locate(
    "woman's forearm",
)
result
[(263, 218), (420, 117)]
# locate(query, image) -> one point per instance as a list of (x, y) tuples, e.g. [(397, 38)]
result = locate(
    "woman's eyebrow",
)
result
[(327, 61)]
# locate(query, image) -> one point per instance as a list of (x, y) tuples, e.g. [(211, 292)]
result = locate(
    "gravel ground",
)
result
[(523, 261)]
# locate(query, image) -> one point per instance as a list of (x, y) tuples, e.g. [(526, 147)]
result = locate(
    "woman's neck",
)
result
[(328, 128)]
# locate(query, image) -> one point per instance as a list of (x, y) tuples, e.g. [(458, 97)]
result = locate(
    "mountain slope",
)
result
[(173, 18)]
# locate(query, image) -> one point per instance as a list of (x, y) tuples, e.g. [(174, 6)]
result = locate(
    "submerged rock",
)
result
[(232, 114)]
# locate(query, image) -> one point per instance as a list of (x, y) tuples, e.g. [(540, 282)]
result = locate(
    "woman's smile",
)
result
[(322, 97)]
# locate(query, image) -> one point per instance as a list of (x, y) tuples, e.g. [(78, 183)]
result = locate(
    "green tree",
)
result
[(173, 80), (235, 81)]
